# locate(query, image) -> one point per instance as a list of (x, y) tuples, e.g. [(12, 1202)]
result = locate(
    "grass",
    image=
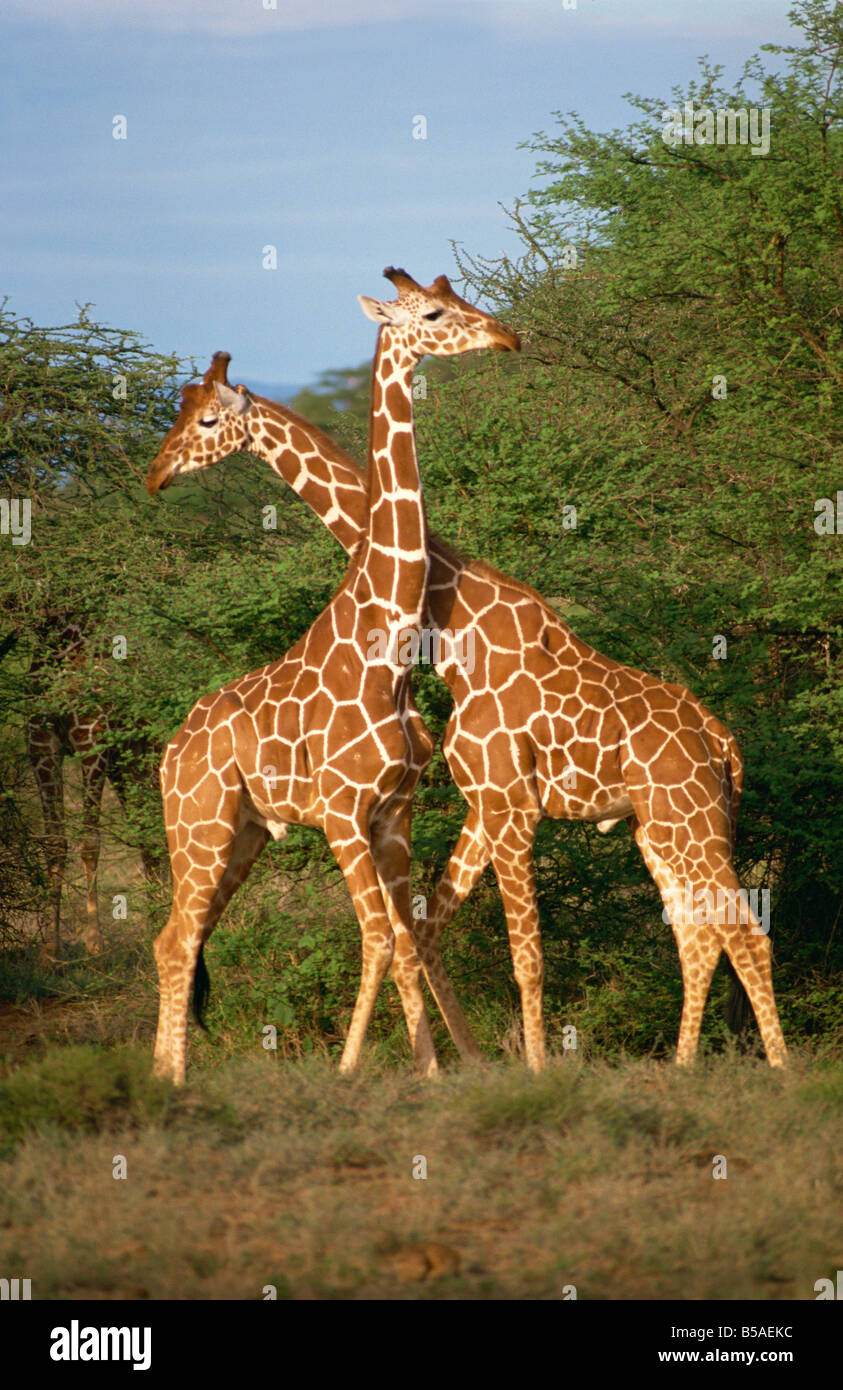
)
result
[(266, 1172), (269, 1170)]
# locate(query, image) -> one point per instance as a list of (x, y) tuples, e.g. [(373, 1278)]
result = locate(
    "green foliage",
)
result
[(172, 596), (81, 1088), (695, 510), (295, 971), (22, 877), (339, 393)]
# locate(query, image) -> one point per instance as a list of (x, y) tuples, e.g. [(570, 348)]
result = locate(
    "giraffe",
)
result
[(79, 728), (542, 725), (329, 735)]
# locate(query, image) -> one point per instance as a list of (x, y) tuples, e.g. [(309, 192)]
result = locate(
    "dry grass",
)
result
[(272, 1172), (264, 1173)]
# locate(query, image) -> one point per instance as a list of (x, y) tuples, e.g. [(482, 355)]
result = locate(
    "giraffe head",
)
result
[(432, 319), (211, 424)]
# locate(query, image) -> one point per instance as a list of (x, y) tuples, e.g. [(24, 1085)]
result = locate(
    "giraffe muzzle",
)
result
[(160, 476), (505, 339)]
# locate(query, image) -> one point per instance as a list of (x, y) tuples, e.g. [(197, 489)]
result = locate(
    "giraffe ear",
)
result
[(238, 401), (382, 311)]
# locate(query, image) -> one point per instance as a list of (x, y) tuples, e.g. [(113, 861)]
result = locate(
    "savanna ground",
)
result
[(269, 1169), (265, 1173)]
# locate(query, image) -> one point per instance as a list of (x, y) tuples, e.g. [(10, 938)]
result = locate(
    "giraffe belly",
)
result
[(277, 828), (277, 809), (272, 818), (601, 806), (573, 784)]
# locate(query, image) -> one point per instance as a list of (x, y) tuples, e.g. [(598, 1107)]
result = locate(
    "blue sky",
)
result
[(250, 126)]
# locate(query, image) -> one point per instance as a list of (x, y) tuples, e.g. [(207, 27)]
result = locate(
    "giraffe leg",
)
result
[(198, 901), (699, 952), (748, 948), (697, 943), (176, 950), (352, 852), (93, 781), (467, 862), (698, 906), (46, 754), (391, 854), (510, 843), (56, 853)]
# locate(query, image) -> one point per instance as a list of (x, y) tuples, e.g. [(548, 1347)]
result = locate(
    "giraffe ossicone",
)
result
[(340, 732)]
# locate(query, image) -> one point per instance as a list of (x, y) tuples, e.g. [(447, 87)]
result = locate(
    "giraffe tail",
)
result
[(201, 988), (737, 1011), (733, 761)]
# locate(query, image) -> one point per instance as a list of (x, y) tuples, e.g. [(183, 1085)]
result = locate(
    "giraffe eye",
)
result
[(208, 421), (437, 314)]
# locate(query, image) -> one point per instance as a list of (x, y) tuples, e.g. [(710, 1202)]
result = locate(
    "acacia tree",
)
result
[(165, 600), (681, 388)]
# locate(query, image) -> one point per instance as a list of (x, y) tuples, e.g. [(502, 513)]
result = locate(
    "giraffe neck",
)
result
[(309, 461), (336, 490), (395, 555)]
